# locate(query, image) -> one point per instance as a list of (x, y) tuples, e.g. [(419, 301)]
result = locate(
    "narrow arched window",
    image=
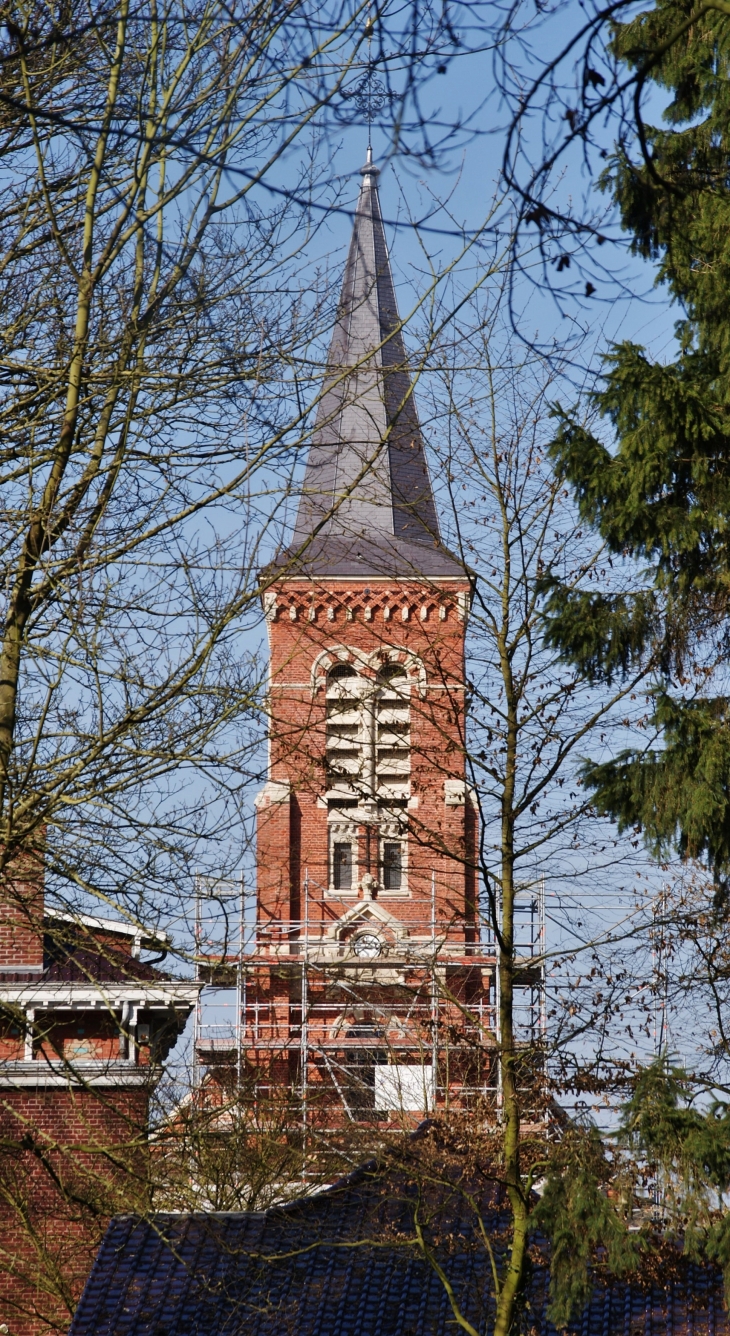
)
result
[(342, 852), (344, 742), (393, 734)]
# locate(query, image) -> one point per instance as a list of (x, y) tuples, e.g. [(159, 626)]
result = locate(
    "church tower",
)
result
[(369, 989)]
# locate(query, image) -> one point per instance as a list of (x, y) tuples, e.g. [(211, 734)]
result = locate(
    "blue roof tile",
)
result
[(245, 1275)]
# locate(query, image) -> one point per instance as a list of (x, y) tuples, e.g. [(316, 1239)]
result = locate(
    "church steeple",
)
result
[(365, 827), (367, 506)]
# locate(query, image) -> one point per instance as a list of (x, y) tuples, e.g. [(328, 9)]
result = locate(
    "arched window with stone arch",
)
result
[(344, 732), (344, 774), (368, 760), (392, 721)]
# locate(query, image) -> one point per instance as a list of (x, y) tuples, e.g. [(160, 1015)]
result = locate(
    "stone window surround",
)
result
[(340, 830), (368, 665)]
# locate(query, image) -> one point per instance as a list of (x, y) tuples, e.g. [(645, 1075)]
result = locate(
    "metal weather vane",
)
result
[(370, 94)]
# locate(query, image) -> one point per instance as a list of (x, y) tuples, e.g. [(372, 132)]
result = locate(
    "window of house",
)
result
[(392, 866), (342, 866)]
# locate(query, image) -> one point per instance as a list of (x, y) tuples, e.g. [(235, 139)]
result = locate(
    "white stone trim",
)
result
[(41, 1074), (369, 663), (274, 791), (456, 792), (329, 658), (364, 913), (101, 996)]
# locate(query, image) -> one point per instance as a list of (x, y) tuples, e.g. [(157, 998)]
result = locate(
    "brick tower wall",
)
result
[(310, 628), (420, 626)]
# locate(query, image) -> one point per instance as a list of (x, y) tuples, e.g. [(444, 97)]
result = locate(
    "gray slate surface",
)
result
[(367, 493)]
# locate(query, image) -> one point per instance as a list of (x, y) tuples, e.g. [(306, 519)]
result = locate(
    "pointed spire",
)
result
[(367, 493)]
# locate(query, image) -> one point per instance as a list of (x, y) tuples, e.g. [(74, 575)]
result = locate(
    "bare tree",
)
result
[(232, 1147), (164, 172)]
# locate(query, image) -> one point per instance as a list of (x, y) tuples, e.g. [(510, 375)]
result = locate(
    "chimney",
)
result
[(21, 913)]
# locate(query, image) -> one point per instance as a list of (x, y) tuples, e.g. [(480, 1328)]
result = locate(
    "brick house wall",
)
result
[(70, 1159), (84, 1025)]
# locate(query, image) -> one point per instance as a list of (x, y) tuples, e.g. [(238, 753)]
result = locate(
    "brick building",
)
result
[(84, 1025), (370, 987)]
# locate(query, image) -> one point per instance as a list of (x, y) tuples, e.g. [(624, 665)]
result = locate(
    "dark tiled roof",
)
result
[(366, 482), (84, 964), (245, 1275), (382, 556)]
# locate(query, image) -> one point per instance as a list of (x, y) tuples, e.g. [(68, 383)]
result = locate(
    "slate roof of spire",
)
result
[(366, 482), (282, 1273)]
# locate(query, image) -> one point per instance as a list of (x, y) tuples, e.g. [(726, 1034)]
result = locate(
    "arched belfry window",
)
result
[(368, 760), (368, 738), (392, 720), (344, 737)]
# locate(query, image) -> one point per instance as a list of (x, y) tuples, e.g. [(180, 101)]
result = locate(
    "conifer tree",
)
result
[(656, 487), (660, 491)]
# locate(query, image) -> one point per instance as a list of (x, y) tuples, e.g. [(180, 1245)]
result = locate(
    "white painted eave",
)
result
[(99, 995), (44, 1075)]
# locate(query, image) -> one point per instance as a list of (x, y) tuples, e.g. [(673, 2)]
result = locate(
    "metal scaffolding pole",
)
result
[(434, 998), (304, 1037), (198, 1014), (240, 990)]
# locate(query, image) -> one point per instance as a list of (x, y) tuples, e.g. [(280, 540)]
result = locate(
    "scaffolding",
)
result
[(222, 940), (288, 1004)]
